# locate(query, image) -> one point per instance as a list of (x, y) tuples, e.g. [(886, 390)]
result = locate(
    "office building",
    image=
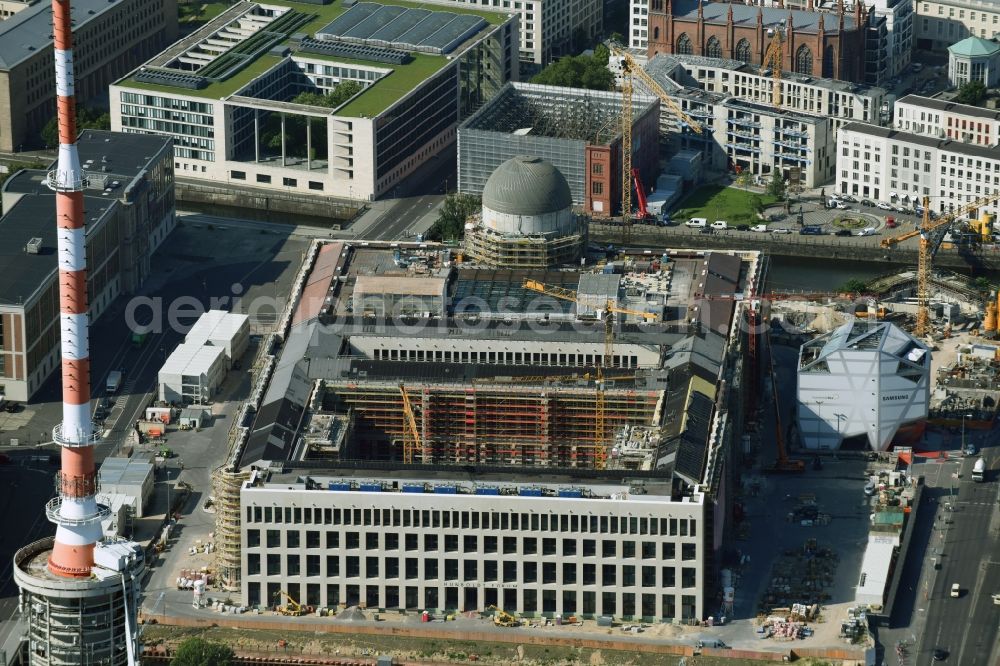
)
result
[(941, 119), (111, 38), (128, 201), (225, 93), (576, 130), (940, 23), (884, 164)]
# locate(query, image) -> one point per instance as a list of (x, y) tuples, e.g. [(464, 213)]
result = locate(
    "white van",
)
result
[(720, 224), (697, 222)]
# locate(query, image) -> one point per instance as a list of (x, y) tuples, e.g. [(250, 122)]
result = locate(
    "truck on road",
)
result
[(114, 382), (979, 470)]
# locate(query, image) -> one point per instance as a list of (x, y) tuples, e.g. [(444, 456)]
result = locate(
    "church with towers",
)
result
[(821, 43)]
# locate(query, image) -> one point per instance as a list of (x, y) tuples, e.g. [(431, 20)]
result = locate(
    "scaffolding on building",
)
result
[(495, 425), (490, 248)]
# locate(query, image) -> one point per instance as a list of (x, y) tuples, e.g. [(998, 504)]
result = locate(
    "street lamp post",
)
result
[(964, 416), (819, 419)]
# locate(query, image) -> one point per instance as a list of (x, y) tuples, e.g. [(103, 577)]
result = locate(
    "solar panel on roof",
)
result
[(175, 79), (455, 32), (385, 15), (402, 28), (348, 19), (354, 51), (421, 31), (400, 25)]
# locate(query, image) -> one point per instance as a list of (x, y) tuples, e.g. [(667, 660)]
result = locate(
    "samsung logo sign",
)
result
[(891, 398)]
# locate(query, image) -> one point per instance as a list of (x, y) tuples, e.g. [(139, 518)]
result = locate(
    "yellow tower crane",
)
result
[(773, 59), (631, 68), (610, 308), (411, 434), (931, 232)]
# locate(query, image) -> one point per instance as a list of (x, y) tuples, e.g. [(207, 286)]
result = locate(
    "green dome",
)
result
[(971, 47), (526, 185)]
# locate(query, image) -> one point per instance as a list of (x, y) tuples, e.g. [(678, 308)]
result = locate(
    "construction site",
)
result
[(437, 395)]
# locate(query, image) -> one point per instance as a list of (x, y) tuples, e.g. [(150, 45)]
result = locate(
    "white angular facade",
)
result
[(864, 378)]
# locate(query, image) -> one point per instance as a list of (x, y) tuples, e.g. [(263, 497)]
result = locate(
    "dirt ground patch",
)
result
[(430, 650)]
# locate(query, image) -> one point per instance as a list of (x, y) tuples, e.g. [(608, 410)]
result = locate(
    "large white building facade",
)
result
[(233, 121), (940, 23), (942, 119), (864, 378), (884, 164), (623, 550)]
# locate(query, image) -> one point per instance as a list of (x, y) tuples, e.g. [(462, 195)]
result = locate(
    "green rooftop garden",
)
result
[(375, 99)]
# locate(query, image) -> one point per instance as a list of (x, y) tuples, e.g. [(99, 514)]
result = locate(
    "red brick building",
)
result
[(816, 43)]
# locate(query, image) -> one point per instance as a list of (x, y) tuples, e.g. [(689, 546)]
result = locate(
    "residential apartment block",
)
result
[(947, 120), (401, 541), (547, 26), (742, 128), (109, 38), (225, 93), (884, 164), (129, 206), (940, 23)]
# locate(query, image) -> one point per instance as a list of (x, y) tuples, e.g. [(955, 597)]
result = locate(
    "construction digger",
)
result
[(293, 608), (502, 618)]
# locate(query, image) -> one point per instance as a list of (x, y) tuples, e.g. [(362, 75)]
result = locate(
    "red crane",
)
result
[(640, 193)]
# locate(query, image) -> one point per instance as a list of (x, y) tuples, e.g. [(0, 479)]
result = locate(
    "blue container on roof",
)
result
[(530, 492), (446, 490), (370, 487), (413, 487), (338, 485), (488, 491), (570, 492)]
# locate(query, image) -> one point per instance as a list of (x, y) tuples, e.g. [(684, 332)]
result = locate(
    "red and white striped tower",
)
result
[(75, 511)]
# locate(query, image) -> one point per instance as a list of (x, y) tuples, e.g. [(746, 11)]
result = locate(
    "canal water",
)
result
[(802, 274)]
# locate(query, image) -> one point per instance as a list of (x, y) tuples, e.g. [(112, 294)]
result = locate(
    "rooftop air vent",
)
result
[(34, 246)]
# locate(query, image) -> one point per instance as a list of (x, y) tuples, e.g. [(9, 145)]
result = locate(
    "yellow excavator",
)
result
[(292, 608), (502, 618)]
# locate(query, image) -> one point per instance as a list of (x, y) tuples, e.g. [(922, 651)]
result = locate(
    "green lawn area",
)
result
[(199, 11), (215, 90), (721, 203)]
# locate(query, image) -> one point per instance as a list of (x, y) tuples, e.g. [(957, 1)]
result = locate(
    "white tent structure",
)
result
[(864, 378)]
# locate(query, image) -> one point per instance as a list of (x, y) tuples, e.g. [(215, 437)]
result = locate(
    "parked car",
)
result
[(759, 228), (842, 232), (917, 67), (697, 222), (890, 222), (707, 230), (868, 231), (781, 231), (720, 224), (12, 407), (883, 205), (742, 227), (811, 231), (847, 197), (867, 202)]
